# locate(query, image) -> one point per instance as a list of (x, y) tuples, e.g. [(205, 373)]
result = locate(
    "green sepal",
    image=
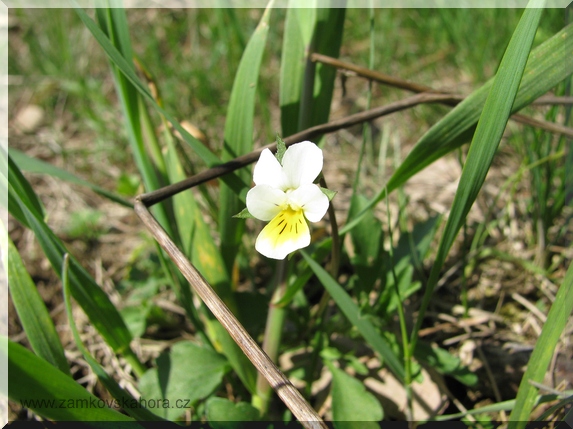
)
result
[(281, 149), (328, 192), (244, 214)]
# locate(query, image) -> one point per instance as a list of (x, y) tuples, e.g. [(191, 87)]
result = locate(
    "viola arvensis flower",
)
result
[(286, 196)]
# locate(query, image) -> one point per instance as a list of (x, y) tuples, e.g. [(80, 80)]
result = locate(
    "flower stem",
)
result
[(272, 338), (320, 340)]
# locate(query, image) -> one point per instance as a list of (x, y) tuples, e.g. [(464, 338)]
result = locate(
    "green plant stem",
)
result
[(272, 338), (335, 261), (403, 327), (318, 340)]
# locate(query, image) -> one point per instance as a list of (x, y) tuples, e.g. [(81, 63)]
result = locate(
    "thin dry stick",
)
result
[(455, 99), (278, 381), (159, 195), (547, 126)]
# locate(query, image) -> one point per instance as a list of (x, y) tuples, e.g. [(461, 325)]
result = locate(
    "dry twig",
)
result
[(455, 99), (278, 381)]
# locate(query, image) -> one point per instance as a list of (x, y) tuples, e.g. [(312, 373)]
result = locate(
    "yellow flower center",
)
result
[(288, 225)]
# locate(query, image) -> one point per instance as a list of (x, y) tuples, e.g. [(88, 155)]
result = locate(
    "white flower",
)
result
[(285, 196)]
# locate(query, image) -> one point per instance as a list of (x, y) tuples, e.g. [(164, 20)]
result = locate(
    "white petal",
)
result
[(264, 202), (302, 163), (311, 199), (287, 232), (268, 171)]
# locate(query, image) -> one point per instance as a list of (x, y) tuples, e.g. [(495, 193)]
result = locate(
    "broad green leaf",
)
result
[(485, 142), (352, 312), (414, 245), (237, 359), (445, 363), (135, 318), (124, 399), (224, 414), (148, 128), (353, 407), (557, 318), (238, 138), (32, 311), (548, 65), (185, 374), (44, 389), (93, 300)]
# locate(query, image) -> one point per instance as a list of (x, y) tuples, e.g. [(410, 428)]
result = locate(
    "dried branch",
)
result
[(292, 398), (159, 195), (455, 99)]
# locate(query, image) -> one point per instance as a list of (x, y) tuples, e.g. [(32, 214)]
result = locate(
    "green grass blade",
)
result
[(238, 139), (484, 144), (190, 226), (24, 191), (548, 65), (352, 312), (132, 407), (305, 87), (184, 205), (328, 39), (298, 22), (96, 304), (114, 24), (150, 137), (32, 311), (125, 67), (500, 406), (543, 352), (37, 385), (33, 165)]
